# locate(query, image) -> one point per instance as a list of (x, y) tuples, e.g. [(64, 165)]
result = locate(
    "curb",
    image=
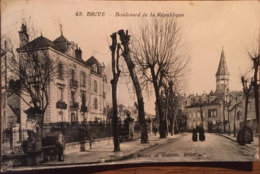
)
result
[(130, 154), (234, 141), (228, 138)]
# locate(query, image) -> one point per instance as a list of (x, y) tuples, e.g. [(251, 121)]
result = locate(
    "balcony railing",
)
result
[(83, 108), (74, 105), (61, 105), (74, 83)]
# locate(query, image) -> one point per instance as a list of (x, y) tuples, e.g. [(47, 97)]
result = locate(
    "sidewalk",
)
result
[(101, 154), (254, 145)]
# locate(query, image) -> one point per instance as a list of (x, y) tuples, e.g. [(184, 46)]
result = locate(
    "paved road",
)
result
[(215, 148)]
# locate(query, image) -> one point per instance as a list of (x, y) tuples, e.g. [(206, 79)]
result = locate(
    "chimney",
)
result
[(24, 37), (78, 53)]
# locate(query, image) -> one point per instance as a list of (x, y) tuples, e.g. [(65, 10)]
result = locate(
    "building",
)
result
[(222, 110), (78, 91)]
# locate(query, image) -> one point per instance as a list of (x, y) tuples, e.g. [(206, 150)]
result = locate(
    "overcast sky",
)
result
[(206, 28)]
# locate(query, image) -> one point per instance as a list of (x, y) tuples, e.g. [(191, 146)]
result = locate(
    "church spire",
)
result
[(222, 67), (222, 76)]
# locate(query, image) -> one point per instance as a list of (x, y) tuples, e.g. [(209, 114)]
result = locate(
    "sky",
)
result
[(207, 27)]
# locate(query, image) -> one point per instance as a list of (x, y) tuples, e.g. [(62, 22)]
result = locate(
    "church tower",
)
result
[(222, 76)]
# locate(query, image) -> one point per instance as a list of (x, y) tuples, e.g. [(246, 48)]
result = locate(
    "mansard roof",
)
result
[(42, 42), (222, 67), (92, 60), (39, 42)]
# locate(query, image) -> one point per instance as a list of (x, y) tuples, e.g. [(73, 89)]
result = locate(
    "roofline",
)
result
[(94, 73), (197, 106), (54, 50)]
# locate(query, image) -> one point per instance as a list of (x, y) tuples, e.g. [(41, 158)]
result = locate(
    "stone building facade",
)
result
[(78, 92)]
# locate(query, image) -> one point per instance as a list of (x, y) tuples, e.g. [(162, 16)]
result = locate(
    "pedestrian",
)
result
[(155, 130), (181, 130), (201, 133), (194, 135), (60, 145)]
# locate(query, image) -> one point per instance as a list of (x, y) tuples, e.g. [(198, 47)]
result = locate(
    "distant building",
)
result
[(219, 108)]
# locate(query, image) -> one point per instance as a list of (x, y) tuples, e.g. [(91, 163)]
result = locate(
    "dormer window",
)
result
[(95, 69)]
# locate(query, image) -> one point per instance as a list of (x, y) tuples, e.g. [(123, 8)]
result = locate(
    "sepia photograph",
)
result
[(91, 83)]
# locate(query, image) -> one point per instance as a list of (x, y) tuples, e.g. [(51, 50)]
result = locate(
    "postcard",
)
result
[(89, 83)]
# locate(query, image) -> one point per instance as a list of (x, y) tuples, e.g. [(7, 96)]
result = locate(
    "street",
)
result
[(182, 148), (176, 148)]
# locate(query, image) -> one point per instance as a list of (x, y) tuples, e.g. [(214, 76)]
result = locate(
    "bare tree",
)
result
[(160, 57), (115, 48), (125, 38), (254, 57), (247, 87), (35, 69), (229, 104), (231, 108)]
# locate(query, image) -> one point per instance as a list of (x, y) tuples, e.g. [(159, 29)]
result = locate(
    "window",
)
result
[(60, 118), (83, 98), (83, 79), (74, 118), (95, 69), (72, 73), (212, 113), (72, 96), (95, 103), (60, 71), (95, 86), (60, 94)]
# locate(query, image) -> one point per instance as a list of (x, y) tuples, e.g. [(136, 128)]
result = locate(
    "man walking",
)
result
[(60, 146)]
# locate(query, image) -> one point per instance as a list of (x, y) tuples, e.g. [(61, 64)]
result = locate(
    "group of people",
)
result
[(200, 130)]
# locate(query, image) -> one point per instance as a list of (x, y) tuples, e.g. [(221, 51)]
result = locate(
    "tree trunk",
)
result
[(125, 38), (116, 73), (224, 124), (140, 102), (228, 122), (246, 109), (171, 126), (162, 130), (115, 119), (235, 121), (256, 62), (201, 116)]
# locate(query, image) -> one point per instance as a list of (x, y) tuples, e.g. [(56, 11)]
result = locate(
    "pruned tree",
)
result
[(247, 87), (115, 48), (160, 57), (254, 57), (125, 40)]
